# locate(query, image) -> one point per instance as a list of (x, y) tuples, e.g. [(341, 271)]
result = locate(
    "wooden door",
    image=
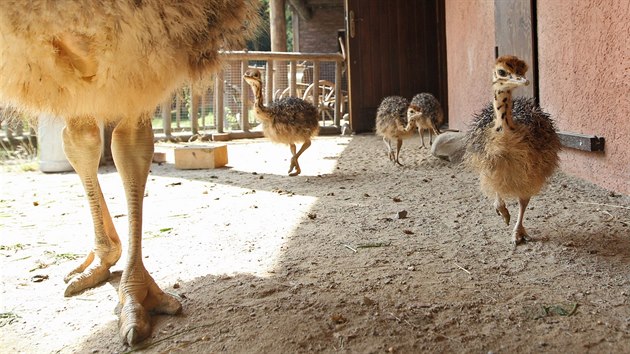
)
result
[(395, 47), (515, 34)]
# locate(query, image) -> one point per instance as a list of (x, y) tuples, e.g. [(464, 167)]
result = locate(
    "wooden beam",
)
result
[(303, 10), (581, 141)]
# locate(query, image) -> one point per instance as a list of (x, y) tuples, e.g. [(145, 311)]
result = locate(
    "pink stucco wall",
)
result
[(470, 57), (584, 66), (584, 76)]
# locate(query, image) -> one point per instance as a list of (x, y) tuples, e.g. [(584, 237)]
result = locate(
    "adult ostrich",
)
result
[(113, 62)]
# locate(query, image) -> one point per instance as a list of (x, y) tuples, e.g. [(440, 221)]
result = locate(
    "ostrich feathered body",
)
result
[(109, 59), (289, 120), (432, 113), (513, 163), (391, 118)]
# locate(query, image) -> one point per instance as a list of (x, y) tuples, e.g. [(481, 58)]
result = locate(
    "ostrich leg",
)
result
[(132, 149), (399, 143), (294, 159), (390, 151), (499, 206), (520, 235), (82, 145)]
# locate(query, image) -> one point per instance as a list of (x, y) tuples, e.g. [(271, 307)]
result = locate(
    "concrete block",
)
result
[(201, 157), (159, 157)]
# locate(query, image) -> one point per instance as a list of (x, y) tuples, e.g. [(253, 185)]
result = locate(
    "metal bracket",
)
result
[(581, 141)]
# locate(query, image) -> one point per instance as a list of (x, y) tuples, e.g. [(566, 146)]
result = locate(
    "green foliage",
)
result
[(263, 41)]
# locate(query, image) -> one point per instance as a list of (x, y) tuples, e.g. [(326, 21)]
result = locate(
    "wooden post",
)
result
[(278, 33), (338, 94), (166, 117), (292, 83), (269, 82), (204, 104), (244, 105), (316, 85), (194, 109), (218, 103), (178, 107)]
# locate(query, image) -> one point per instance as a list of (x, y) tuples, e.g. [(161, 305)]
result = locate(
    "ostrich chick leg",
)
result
[(499, 206), (390, 151), (82, 145), (132, 149), (421, 131), (294, 159), (399, 143), (520, 235)]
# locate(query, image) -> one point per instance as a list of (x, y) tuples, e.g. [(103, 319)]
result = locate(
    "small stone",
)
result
[(402, 214)]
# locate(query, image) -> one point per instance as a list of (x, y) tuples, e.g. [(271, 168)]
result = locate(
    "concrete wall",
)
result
[(584, 76), (584, 65), (470, 57)]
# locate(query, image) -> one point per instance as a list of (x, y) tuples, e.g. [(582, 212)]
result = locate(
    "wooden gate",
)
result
[(395, 47)]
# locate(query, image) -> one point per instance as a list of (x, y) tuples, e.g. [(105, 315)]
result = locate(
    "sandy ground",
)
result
[(263, 262)]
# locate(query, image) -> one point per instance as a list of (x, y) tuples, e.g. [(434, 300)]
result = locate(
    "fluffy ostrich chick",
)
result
[(512, 144), (113, 62), (289, 120), (425, 112), (391, 124)]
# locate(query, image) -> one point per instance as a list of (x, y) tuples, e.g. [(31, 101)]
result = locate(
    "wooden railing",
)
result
[(328, 95), (170, 122)]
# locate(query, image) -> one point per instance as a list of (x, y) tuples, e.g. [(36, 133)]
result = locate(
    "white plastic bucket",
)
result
[(49, 143)]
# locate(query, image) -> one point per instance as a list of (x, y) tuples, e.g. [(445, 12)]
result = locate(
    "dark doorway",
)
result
[(395, 47), (515, 34)]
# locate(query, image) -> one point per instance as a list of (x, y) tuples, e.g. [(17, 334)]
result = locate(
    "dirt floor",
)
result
[(327, 261)]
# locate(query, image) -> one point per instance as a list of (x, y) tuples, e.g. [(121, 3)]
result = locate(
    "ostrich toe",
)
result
[(93, 271), (499, 206), (140, 296), (520, 236), (294, 166)]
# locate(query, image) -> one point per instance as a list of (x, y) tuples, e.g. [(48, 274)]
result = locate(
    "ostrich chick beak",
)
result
[(520, 81)]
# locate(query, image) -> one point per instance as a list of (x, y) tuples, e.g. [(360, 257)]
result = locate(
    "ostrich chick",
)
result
[(512, 144), (391, 123), (289, 120), (425, 112)]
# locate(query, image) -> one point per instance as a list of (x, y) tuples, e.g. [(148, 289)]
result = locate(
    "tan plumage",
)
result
[(512, 144), (289, 120), (391, 124), (114, 61), (425, 112)]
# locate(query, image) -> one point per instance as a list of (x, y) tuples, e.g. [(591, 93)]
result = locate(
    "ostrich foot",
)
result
[(140, 296), (296, 166), (93, 271), (391, 156), (520, 236), (499, 206)]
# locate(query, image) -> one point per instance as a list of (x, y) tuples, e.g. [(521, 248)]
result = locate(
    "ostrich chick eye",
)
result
[(501, 72)]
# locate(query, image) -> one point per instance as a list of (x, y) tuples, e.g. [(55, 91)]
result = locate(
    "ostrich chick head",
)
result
[(509, 73), (253, 78)]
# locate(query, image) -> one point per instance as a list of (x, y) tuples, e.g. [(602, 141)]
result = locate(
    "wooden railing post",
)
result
[(244, 105), (166, 117), (218, 101), (338, 94), (194, 115), (293, 75), (269, 82), (316, 84)]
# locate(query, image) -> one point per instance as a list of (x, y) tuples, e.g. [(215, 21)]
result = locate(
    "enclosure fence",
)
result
[(224, 110)]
